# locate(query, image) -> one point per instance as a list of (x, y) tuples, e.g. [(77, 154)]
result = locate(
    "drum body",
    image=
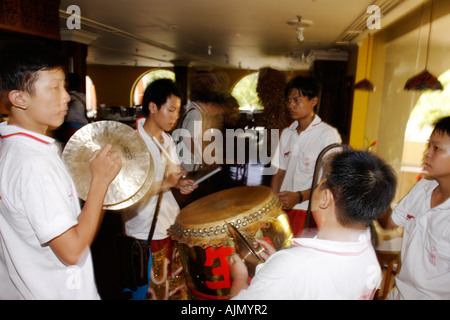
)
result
[(202, 234)]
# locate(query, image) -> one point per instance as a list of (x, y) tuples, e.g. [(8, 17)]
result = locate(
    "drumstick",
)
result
[(206, 176), (163, 150)]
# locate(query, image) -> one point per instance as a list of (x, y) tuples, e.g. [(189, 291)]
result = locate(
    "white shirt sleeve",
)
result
[(401, 211)]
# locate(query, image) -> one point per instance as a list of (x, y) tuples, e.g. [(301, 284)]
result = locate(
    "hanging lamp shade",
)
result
[(365, 84), (423, 81)]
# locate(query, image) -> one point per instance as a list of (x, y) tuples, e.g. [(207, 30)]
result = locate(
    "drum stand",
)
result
[(316, 177)]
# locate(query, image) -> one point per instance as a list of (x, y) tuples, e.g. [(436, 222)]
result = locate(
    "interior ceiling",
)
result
[(248, 34)]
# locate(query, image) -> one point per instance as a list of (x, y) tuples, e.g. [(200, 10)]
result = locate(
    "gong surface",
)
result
[(136, 159), (141, 198)]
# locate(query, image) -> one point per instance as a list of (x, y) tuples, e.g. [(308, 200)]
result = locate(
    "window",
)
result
[(137, 92), (91, 99), (245, 93), (431, 106)]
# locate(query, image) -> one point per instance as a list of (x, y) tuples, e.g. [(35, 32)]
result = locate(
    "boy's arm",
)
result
[(70, 246), (277, 180), (386, 221), (239, 276)]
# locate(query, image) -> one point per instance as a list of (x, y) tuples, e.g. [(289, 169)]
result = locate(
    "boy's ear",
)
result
[(326, 198), (315, 101), (17, 99), (152, 107)]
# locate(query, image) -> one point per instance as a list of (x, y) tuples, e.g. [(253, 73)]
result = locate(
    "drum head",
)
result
[(204, 222), (136, 160)]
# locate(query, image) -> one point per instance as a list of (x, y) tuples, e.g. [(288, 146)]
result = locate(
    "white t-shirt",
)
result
[(315, 269), (38, 202), (138, 224), (297, 154), (193, 124), (77, 108), (425, 255)]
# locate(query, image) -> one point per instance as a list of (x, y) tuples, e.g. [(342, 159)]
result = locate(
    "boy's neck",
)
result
[(152, 130), (305, 122), (441, 193), (23, 123), (340, 234)]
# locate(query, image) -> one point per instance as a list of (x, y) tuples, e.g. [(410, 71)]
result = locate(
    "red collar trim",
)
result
[(333, 252), (312, 125), (26, 135), (137, 123)]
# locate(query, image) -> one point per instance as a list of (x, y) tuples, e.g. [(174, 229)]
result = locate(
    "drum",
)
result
[(203, 235)]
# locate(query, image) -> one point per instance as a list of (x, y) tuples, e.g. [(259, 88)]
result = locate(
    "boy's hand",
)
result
[(177, 180), (238, 269), (186, 186), (288, 199), (105, 164), (239, 275), (268, 248)]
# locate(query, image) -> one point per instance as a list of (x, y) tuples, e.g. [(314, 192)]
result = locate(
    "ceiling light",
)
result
[(300, 22), (300, 36), (423, 81)]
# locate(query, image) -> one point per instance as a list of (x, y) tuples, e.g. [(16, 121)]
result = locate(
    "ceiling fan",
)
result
[(301, 24)]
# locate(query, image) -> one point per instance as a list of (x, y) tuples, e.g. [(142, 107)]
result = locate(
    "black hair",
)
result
[(73, 82), (442, 126), (158, 92), (362, 184), (20, 63), (307, 86), (205, 97)]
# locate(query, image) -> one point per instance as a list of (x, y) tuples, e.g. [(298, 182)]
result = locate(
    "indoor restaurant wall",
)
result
[(400, 53)]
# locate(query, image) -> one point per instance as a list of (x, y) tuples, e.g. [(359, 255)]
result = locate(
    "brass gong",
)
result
[(136, 170)]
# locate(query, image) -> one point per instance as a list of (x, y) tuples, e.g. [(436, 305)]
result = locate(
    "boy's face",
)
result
[(300, 106), (47, 106), (437, 156), (167, 116)]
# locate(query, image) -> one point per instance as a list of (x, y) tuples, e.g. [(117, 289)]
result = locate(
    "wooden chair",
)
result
[(389, 260)]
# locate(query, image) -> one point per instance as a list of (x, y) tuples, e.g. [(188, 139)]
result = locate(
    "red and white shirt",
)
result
[(425, 256), (297, 154), (317, 269), (38, 202), (138, 224)]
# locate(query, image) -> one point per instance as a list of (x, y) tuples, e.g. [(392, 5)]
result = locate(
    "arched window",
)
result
[(245, 93), (91, 99), (431, 106), (137, 91)]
